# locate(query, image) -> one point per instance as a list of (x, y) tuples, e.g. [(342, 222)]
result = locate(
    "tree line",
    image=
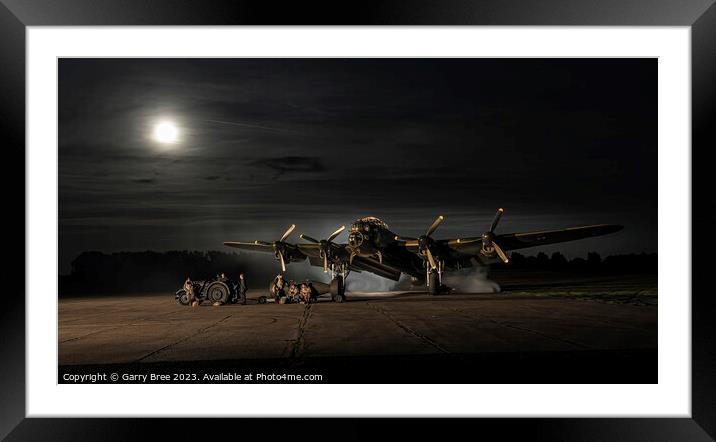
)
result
[(131, 272), (630, 263), (128, 272)]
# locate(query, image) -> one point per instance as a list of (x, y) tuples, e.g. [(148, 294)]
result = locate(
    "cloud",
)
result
[(144, 180), (291, 164)]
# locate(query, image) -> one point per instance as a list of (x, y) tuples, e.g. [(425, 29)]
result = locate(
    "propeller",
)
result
[(324, 245), (423, 242), (279, 247), (488, 238)]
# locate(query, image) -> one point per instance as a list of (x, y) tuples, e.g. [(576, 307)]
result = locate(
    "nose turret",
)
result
[(355, 239)]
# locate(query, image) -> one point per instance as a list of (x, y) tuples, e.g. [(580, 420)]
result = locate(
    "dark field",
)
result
[(542, 328)]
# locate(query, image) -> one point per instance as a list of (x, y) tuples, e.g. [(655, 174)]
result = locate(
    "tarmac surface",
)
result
[(547, 334)]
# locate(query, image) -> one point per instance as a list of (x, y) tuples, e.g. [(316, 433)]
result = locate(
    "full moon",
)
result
[(166, 132)]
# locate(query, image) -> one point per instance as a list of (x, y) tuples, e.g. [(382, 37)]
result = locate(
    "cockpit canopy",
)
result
[(370, 222)]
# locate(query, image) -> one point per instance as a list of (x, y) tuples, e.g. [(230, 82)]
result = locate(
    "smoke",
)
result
[(355, 282), (368, 282), (471, 280), (299, 271)]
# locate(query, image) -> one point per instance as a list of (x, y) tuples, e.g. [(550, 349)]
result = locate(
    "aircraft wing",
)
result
[(317, 261), (359, 264), (310, 250), (258, 246), (252, 246), (514, 241)]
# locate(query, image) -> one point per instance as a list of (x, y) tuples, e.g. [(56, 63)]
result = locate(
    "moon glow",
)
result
[(166, 132)]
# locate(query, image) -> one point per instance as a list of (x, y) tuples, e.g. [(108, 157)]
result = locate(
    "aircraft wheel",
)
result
[(338, 289), (433, 285)]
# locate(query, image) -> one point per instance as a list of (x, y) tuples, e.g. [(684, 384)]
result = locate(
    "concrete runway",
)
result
[(153, 329)]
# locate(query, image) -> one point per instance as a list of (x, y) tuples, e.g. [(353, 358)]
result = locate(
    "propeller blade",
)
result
[(309, 239), (283, 263), (431, 260), (413, 243), (438, 221), (500, 253), (288, 232), (497, 219), (325, 263), (263, 243), (336, 233)]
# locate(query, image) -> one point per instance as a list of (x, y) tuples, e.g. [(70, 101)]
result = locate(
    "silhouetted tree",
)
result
[(593, 259), (558, 261), (542, 260)]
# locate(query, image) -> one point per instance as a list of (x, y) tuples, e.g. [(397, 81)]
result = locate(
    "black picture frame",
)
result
[(16, 15)]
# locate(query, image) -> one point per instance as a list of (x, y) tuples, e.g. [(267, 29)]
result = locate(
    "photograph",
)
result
[(410, 219), (429, 220)]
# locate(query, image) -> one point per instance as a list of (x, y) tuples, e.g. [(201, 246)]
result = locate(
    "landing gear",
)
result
[(434, 277), (433, 283), (338, 289)]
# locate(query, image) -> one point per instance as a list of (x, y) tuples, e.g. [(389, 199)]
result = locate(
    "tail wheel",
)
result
[(338, 289), (433, 284), (218, 292), (182, 297)]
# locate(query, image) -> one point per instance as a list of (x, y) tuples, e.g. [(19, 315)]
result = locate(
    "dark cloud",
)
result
[(319, 142), (290, 164), (144, 180)]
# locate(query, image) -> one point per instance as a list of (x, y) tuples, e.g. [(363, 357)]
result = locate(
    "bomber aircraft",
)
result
[(373, 248)]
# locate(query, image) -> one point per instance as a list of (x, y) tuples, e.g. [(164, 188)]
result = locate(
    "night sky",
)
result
[(264, 143)]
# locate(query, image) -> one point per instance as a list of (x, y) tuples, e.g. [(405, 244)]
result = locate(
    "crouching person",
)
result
[(189, 290), (293, 291), (305, 292), (278, 288)]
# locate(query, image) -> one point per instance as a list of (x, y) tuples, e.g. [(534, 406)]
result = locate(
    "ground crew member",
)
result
[(278, 289), (305, 293), (293, 292), (189, 290), (242, 288)]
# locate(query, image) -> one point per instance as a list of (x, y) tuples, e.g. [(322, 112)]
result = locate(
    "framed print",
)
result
[(491, 219)]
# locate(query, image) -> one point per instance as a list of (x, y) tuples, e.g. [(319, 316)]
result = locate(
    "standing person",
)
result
[(242, 288)]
